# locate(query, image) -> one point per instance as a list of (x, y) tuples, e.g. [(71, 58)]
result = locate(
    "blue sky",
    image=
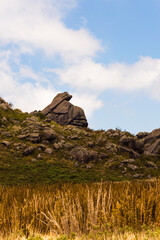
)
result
[(104, 52)]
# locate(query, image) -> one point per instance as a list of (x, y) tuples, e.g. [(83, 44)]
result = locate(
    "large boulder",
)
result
[(153, 136), (83, 155), (153, 149), (64, 113)]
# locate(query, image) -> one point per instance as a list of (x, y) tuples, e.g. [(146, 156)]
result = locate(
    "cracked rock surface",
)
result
[(64, 113)]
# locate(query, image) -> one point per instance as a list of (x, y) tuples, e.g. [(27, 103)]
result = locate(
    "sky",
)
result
[(106, 53)]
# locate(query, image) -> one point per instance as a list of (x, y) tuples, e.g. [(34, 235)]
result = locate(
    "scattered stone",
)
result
[(7, 134), (6, 143), (16, 128), (74, 137), (76, 164), (126, 161), (124, 171), (45, 142), (151, 164), (34, 160), (49, 151), (34, 137), (103, 155), (125, 140), (21, 137), (87, 134), (82, 154), (19, 145), (128, 150), (114, 135), (101, 140), (137, 176), (49, 134), (91, 144), (42, 147), (64, 113), (132, 167), (58, 145), (110, 131), (4, 120), (29, 150), (138, 145), (142, 134), (68, 146), (39, 156), (88, 166), (32, 119), (111, 147)]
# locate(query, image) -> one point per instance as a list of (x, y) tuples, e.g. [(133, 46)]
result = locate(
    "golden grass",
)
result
[(126, 235), (82, 209)]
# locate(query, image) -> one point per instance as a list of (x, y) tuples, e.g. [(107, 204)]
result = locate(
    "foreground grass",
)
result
[(75, 210), (121, 234)]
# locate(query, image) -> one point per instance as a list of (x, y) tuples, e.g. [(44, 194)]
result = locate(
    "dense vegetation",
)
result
[(79, 209)]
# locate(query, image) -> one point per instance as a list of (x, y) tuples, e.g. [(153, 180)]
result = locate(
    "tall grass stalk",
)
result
[(79, 208)]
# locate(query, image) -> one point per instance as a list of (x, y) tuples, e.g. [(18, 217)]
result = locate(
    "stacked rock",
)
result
[(64, 113)]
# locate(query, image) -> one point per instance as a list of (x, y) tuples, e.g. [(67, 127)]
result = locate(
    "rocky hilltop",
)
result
[(64, 113), (55, 145)]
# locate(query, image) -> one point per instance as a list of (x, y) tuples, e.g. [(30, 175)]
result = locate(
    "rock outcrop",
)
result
[(64, 113), (4, 105), (36, 142)]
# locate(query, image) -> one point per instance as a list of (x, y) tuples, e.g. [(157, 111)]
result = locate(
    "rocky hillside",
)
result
[(34, 148)]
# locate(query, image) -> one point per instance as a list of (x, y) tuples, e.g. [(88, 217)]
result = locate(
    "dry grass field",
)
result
[(110, 210), (125, 235)]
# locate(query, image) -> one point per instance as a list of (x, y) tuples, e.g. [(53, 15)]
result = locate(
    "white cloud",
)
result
[(31, 95), (26, 72), (27, 96), (39, 24), (87, 101), (28, 26), (92, 76)]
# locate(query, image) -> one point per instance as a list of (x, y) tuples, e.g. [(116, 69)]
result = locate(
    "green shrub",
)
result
[(40, 115)]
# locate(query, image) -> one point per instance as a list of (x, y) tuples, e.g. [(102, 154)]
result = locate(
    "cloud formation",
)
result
[(26, 95), (96, 77), (29, 27), (38, 24)]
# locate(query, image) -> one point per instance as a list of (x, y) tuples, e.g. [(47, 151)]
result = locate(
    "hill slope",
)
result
[(34, 150)]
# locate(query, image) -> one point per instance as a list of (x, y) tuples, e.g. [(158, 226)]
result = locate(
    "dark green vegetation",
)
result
[(33, 150)]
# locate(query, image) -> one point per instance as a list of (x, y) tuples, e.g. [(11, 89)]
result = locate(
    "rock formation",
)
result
[(49, 148), (64, 113), (4, 105)]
